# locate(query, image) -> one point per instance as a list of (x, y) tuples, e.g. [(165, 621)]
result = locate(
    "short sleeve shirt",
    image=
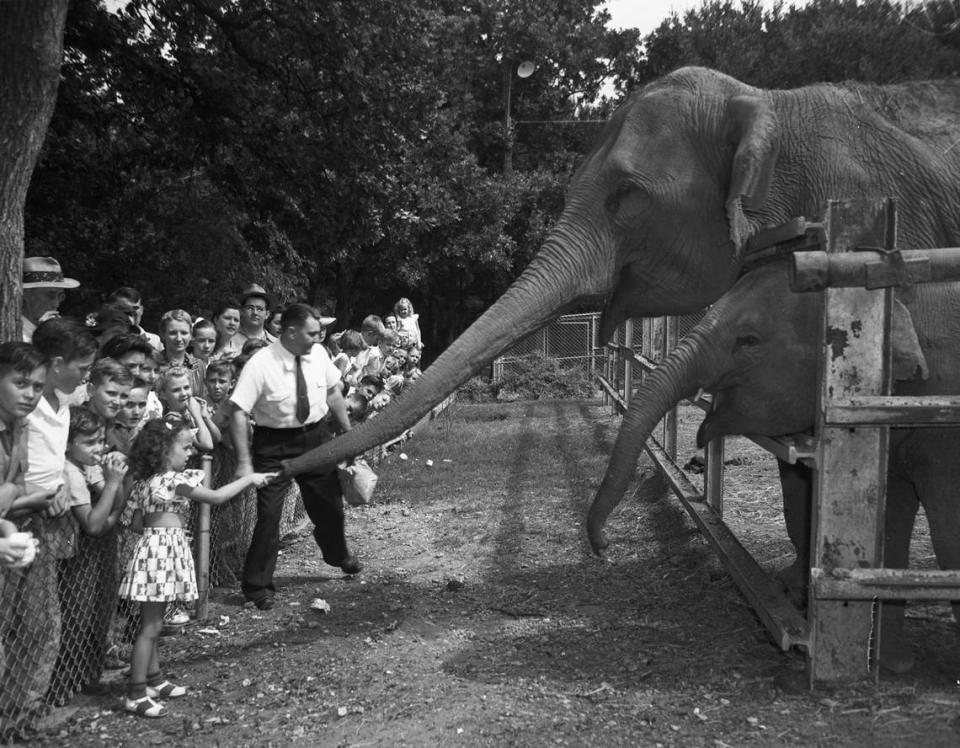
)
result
[(47, 431), (267, 386), (76, 482)]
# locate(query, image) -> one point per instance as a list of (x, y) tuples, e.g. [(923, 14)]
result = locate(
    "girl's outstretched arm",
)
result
[(224, 493)]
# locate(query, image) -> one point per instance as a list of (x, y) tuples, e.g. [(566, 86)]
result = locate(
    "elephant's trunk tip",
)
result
[(598, 541)]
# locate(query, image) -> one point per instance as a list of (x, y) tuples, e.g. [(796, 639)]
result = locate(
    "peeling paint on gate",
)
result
[(837, 341)]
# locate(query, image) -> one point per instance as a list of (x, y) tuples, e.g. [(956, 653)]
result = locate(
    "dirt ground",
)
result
[(482, 619)]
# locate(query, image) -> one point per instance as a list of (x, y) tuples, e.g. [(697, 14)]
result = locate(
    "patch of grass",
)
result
[(531, 377)]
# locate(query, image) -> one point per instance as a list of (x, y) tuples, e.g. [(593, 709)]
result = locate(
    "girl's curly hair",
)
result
[(150, 448)]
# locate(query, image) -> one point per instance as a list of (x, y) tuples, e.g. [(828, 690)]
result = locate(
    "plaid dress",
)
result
[(161, 566)]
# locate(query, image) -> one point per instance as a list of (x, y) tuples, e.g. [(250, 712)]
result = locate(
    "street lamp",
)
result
[(524, 70)]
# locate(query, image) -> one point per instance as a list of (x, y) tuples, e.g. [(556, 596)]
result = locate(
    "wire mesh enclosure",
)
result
[(571, 339), (62, 622)]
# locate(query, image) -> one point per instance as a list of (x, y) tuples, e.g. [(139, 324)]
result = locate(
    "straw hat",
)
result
[(45, 272)]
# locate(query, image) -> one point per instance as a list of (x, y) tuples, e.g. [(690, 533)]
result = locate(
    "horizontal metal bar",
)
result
[(892, 410), (784, 622), (817, 270), (885, 584)]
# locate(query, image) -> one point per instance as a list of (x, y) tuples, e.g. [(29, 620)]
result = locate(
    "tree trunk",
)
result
[(31, 48)]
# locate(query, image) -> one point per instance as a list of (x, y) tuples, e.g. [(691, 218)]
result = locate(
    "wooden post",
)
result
[(670, 420), (628, 364), (713, 474), (847, 520), (203, 545)]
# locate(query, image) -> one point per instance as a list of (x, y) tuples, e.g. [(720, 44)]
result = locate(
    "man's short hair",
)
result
[(121, 345), (126, 293), (296, 315), (64, 337), (222, 367), (23, 358), (109, 370), (83, 422)]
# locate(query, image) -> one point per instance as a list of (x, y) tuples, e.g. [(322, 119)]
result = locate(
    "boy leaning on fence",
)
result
[(29, 607)]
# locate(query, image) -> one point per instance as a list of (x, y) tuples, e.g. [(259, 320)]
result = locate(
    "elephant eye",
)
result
[(747, 341), (617, 196)]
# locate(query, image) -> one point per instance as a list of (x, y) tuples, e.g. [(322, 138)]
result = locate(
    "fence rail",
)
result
[(848, 452)]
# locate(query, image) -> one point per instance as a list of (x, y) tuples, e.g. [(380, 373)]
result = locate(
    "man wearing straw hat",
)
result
[(43, 291)]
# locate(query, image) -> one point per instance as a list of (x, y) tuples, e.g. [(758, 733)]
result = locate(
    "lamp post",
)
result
[(524, 70)]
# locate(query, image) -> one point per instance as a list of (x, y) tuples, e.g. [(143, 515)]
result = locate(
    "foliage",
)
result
[(348, 152), (352, 152), (826, 40), (531, 377)]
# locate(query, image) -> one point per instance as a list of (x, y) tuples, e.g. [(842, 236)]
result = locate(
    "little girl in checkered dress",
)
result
[(161, 567)]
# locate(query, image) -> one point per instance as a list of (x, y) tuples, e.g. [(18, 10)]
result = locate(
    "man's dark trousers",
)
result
[(322, 498)]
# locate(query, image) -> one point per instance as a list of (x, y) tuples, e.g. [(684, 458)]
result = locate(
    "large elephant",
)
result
[(757, 351), (659, 214), (687, 169)]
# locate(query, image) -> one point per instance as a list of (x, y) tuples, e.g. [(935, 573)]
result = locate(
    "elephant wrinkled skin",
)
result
[(757, 351), (658, 215)]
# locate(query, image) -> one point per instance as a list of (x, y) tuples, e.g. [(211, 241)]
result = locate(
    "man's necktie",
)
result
[(303, 399)]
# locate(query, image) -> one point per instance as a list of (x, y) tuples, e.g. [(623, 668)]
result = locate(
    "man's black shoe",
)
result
[(264, 603), (350, 565)]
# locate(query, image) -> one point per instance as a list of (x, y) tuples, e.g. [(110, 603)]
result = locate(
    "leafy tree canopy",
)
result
[(351, 152)]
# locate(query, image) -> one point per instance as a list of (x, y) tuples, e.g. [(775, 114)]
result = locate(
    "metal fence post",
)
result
[(203, 544)]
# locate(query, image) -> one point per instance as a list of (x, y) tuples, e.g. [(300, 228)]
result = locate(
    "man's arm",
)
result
[(240, 432)]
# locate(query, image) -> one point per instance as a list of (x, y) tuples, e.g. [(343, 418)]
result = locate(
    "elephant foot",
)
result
[(895, 654), (794, 581), (598, 541)]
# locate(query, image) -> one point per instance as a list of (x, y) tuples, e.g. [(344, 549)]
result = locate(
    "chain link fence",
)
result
[(61, 620), (571, 339)]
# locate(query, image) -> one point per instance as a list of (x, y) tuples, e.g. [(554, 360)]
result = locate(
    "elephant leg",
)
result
[(943, 515), (901, 511), (797, 484)]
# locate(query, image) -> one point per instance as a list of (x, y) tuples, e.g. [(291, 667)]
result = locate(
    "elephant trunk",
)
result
[(549, 284), (678, 376)]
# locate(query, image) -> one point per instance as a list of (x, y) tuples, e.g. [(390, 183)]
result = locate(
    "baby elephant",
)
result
[(757, 351)]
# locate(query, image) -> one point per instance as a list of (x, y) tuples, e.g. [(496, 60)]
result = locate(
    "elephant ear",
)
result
[(907, 355), (752, 129)]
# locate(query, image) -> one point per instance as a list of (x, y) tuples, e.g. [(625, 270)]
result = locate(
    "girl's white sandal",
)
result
[(145, 707)]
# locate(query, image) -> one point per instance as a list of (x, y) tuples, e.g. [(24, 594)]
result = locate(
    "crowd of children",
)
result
[(378, 360), (98, 426)]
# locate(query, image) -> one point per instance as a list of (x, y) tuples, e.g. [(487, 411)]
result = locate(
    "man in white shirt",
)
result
[(44, 289), (287, 389)]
